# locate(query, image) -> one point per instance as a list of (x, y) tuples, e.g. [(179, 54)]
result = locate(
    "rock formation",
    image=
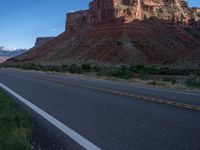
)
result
[(174, 12), (125, 32), (42, 40)]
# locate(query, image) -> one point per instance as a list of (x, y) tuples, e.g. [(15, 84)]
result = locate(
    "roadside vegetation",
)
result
[(15, 131), (193, 81), (139, 72)]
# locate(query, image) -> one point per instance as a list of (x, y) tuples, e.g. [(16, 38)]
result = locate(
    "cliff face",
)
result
[(42, 40), (125, 32), (174, 12)]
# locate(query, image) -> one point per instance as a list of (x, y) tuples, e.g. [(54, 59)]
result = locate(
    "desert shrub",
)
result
[(31, 66), (118, 72), (193, 81), (96, 68), (141, 75), (73, 68), (86, 67), (123, 71), (171, 80), (140, 67), (156, 82), (53, 68), (65, 68)]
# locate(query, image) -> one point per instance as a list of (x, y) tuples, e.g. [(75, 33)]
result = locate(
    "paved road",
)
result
[(114, 116)]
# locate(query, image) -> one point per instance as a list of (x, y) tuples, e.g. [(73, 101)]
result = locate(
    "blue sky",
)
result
[(21, 21)]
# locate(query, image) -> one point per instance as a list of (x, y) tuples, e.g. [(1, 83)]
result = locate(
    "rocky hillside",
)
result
[(3, 59), (41, 41), (125, 32)]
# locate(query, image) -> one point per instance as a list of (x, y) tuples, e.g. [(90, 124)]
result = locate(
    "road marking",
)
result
[(69, 132), (156, 89), (146, 98)]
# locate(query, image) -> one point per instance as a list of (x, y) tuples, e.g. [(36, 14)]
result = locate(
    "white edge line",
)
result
[(72, 134)]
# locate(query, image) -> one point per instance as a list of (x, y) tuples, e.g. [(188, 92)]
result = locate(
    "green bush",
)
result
[(193, 81), (118, 72), (123, 71), (167, 79), (142, 75), (75, 69), (96, 68), (72, 68), (86, 67)]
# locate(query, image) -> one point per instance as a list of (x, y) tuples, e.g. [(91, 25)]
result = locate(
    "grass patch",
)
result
[(15, 131)]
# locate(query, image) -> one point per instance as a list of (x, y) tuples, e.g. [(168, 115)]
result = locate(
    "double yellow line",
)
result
[(128, 94)]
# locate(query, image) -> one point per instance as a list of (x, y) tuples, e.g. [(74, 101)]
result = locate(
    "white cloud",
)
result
[(71, 11), (53, 29)]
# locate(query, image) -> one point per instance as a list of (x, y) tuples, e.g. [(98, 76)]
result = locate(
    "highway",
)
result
[(113, 115)]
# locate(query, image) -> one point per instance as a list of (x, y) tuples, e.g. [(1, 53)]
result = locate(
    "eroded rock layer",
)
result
[(125, 32), (42, 40), (174, 12)]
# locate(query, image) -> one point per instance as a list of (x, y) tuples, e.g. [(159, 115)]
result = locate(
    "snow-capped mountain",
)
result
[(4, 48), (10, 52)]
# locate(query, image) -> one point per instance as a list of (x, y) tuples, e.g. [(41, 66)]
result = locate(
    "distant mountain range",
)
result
[(10, 52)]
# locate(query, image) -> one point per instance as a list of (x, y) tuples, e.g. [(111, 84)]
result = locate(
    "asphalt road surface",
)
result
[(111, 115)]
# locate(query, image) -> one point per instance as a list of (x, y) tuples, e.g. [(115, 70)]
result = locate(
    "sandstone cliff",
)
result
[(42, 40), (125, 32), (172, 12)]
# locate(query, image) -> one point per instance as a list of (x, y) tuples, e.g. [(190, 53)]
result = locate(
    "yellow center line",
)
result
[(127, 94)]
